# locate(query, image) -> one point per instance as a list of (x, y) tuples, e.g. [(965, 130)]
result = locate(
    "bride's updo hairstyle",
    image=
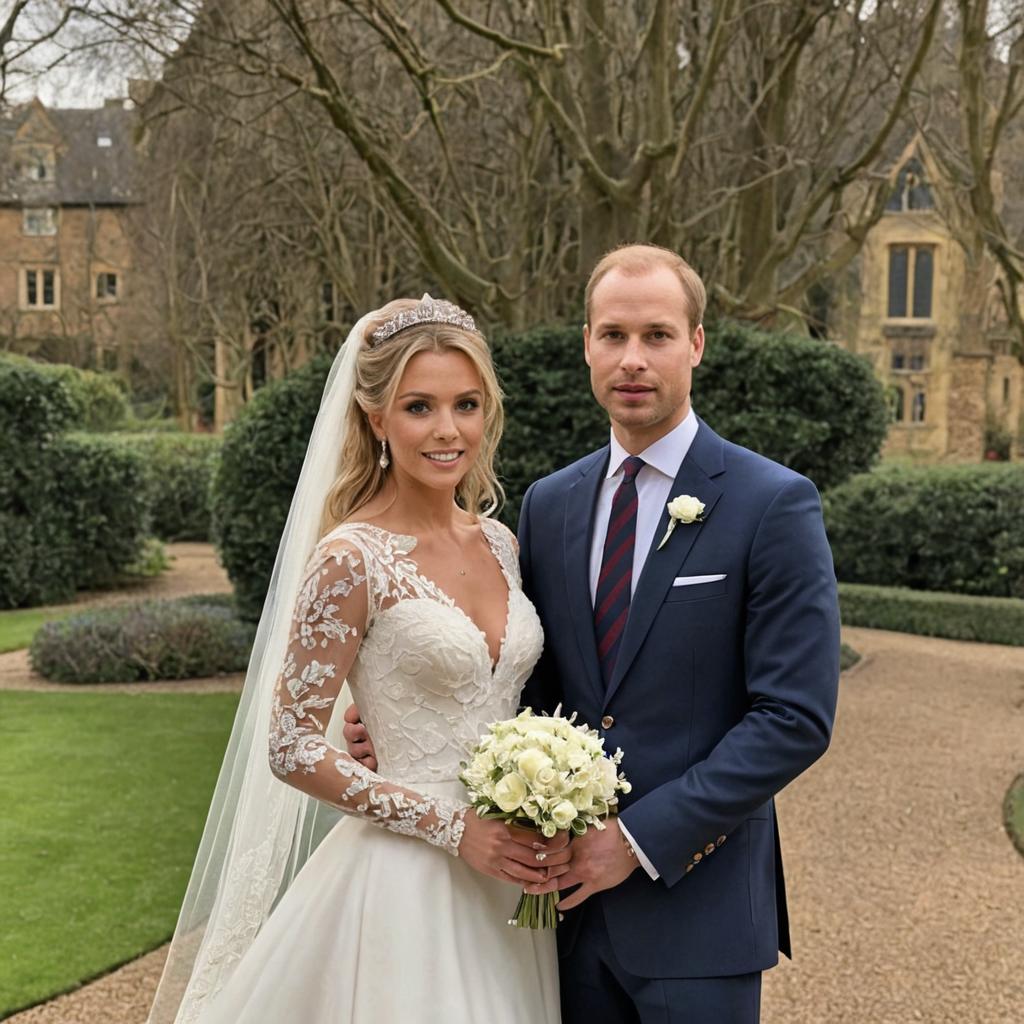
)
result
[(378, 372)]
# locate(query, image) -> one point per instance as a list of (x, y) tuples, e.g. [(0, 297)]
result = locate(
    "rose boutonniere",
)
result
[(684, 508)]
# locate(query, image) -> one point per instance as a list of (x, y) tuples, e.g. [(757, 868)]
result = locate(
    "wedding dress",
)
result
[(384, 923)]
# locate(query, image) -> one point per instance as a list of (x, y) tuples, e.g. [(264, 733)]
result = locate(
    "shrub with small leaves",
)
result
[(143, 641), (179, 471), (987, 620), (70, 507), (948, 528)]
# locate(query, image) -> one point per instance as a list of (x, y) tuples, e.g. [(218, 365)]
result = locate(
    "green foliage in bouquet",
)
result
[(948, 528), (144, 641)]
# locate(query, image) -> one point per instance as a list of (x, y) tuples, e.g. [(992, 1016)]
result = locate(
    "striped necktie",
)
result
[(611, 602)]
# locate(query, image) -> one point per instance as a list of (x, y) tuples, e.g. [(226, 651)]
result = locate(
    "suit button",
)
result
[(719, 840), (689, 868), (607, 722), (698, 857), (710, 848)]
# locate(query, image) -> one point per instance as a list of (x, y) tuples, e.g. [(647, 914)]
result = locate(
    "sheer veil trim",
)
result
[(259, 832)]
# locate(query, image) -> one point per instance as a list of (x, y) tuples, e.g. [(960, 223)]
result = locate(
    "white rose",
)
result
[(532, 762), (546, 775), (563, 814), (685, 508), (510, 792)]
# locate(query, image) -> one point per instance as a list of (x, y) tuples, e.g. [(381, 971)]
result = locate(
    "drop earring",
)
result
[(384, 460)]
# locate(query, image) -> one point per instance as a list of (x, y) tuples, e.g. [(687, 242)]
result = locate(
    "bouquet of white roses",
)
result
[(548, 774)]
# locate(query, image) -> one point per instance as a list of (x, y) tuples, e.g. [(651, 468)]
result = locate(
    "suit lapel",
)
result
[(579, 530), (703, 462)]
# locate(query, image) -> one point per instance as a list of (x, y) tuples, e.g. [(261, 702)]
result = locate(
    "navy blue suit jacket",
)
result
[(723, 692)]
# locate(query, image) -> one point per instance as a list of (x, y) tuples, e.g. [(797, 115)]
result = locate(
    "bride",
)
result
[(324, 892)]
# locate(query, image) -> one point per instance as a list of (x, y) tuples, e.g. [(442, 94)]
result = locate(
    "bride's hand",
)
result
[(513, 854), (357, 739)]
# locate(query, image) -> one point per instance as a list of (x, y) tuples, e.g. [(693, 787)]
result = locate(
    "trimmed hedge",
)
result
[(103, 511), (179, 472), (34, 410), (990, 620), (99, 400), (72, 507), (809, 404), (943, 528), (144, 641)]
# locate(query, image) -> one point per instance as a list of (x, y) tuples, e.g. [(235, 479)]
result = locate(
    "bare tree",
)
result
[(511, 144)]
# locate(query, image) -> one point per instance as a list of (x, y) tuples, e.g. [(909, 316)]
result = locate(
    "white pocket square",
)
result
[(689, 581)]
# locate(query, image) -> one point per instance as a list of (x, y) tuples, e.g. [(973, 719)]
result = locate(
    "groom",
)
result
[(706, 648), (711, 659)]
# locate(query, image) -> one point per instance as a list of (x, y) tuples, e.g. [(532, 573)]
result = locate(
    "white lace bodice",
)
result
[(419, 669)]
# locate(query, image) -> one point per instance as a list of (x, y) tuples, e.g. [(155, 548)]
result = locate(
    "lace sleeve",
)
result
[(330, 618)]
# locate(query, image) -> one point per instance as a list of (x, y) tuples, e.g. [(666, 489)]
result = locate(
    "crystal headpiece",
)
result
[(428, 311)]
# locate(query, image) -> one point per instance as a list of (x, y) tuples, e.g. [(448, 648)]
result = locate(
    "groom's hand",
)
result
[(357, 739), (600, 860)]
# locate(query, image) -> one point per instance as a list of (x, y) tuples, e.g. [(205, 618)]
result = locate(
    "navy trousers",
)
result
[(596, 990)]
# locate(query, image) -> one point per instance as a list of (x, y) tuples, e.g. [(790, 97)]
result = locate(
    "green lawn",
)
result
[(102, 802), (18, 627)]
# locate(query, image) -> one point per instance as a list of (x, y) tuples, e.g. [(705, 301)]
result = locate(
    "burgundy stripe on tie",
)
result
[(611, 602)]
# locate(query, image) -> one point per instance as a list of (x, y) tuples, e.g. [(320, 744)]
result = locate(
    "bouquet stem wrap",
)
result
[(536, 911)]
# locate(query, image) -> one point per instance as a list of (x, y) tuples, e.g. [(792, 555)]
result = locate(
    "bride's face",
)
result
[(435, 424)]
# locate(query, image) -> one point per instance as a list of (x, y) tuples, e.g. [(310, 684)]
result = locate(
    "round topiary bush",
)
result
[(149, 640), (808, 404), (948, 528), (253, 483)]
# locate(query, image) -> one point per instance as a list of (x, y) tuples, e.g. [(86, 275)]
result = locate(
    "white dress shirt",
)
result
[(653, 490)]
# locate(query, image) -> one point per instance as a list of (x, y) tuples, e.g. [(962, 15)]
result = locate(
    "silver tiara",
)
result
[(428, 311)]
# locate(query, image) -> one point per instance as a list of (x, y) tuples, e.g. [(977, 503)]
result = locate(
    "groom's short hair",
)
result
[(638, 258)]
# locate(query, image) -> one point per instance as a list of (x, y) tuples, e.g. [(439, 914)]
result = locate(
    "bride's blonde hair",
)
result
[(379, 370)]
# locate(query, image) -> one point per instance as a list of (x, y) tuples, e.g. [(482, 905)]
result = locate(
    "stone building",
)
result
[(67, 194), (925, 310)]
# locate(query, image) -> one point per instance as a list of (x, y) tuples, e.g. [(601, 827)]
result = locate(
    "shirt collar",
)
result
[(665, 455)]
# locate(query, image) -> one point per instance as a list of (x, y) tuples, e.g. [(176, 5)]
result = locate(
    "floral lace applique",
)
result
[(331, 616)]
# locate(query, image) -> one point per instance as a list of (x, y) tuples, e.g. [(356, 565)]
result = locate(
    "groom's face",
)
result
[(641, 352)]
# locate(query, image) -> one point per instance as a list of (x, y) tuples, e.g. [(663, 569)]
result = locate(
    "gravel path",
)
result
[(905, 891), (194, 570)]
